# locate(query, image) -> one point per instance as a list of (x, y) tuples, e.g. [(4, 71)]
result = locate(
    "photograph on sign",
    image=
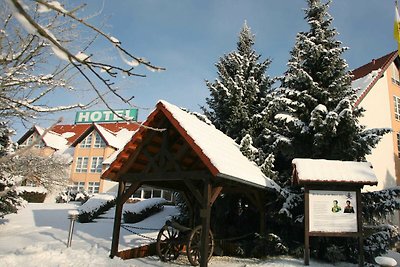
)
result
[(332, 211)]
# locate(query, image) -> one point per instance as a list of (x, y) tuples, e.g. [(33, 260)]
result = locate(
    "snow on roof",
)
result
[(362, 83), (221, 150), (117, 140), (366, 76), (322, 170), (52, 139)]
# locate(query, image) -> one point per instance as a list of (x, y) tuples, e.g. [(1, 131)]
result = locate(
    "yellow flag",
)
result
[(396, 32)]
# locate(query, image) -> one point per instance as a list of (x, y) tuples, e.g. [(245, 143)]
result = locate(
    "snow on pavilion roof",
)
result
[(219, 152), (322, 170)]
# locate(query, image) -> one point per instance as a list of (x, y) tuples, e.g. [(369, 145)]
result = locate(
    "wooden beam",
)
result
[(117, 220), (306, 226), (165, 176), (194, 191), (215, 193), (128, 193), (205, 224), (359, 229)]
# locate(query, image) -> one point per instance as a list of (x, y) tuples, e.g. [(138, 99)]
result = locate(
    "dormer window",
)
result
[(33, 140), (87, 142), (395, 72), (98, 141)]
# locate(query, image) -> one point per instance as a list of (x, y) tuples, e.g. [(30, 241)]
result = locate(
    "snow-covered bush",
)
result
[(269, 245), (335, 254), (139, 211), (381, 241), (32, 194), (72, 195), (95, 206)]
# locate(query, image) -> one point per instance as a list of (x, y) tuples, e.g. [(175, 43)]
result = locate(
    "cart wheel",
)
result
[(193, 246), (167, 245)]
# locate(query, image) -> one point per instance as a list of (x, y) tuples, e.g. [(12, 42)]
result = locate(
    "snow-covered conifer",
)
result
[(240, 92), (313, 115)]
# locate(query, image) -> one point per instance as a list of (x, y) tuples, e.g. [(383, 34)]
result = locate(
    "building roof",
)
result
[(73, 132), (306, 171), (65, 135), (218, 152), (366, 76)]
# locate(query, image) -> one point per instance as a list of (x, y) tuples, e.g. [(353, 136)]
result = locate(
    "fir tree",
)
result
[(312, 115), (9, 201), (239, 94)]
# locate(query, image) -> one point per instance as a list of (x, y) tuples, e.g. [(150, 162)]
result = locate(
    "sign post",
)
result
[(332, 200)]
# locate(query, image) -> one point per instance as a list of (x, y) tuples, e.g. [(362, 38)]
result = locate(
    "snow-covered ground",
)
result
[(37, 236)]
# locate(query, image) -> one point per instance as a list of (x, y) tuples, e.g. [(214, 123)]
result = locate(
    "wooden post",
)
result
[(205, 224), (306, 226), (359, 229), (117, 220)]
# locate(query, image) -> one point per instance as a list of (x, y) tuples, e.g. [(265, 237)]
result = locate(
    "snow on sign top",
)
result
[(222, 151), (322, 170)]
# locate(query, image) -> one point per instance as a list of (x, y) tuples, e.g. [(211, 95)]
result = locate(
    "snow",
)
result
[(385, 261), (142, 205), (95, 202), (362, 83), (119, 140), (38, 234), (52, 139), (323, 170), (37, 189), (67, 134), (220, 149), (82, 56)]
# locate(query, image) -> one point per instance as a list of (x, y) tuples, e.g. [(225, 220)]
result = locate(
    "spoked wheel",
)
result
[(194, 243), (168, 246)]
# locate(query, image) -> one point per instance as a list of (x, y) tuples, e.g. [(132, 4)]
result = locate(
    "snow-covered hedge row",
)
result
[(95, 206), (139, 211), (32, 194)]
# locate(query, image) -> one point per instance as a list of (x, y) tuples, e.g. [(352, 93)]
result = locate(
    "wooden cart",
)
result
[(173, 238)]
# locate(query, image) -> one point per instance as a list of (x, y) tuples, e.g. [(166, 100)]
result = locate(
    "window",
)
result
[(93, 187), (97, 164), (398, 145), (81, 164), (146, 193), (32, 139), (40, 144), (395, 74), (29, 141), (156, 193), (87, 142), (98, 141), (167, 195), (79, 186), (396, 107)]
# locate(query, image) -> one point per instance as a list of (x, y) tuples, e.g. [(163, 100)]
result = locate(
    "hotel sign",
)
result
[(106, 115)]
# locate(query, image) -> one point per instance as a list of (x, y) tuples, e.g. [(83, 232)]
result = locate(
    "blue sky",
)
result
[(187, 37)]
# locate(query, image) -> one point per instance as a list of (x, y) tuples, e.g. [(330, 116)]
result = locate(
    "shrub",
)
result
[(32, 194), (95, 206), (139, 211), (267, 246), (73, 195)]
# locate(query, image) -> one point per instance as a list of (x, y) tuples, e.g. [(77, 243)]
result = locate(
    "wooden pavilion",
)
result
[(187, 155)]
